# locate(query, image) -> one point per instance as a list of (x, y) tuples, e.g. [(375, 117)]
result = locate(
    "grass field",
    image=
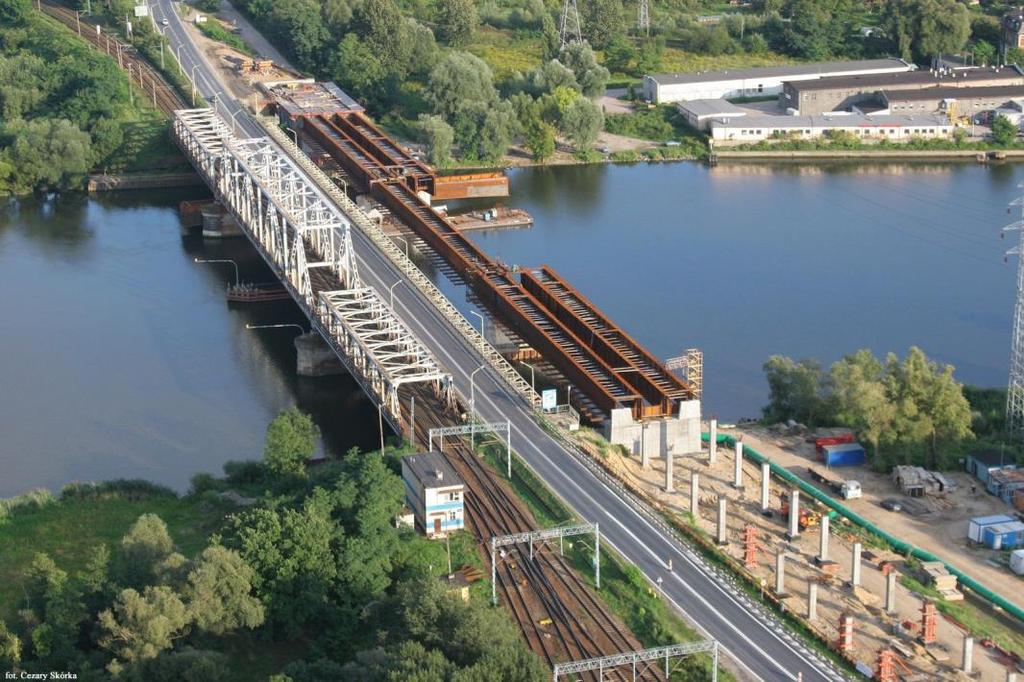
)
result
[(505, 51), (67, 529)]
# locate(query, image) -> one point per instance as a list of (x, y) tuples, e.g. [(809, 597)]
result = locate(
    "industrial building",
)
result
[(842, 93), (1004, 483), (953, 101), (678, 87), (434, 492), (982, 462), (894, 127), (699, 113)]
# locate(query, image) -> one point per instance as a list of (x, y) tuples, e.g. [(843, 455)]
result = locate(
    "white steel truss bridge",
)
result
[(307, 242)]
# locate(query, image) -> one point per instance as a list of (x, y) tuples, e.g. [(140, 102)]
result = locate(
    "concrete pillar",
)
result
[(1011, 676), (694, 495), (890, 592), (823, 546), (722, 539), (812, 601), (645, 460), (713, 442), (780, 572), (794, 514), (668, 472), (967, 663), (314, 358), (855, 565), (737, 467), (766, 477)]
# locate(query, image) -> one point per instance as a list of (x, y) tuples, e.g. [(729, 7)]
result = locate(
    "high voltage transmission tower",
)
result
[(1015, 390), (569, 29), (643, 18)]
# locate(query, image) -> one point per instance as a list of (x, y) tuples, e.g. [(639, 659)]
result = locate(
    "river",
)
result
[(120, 357)]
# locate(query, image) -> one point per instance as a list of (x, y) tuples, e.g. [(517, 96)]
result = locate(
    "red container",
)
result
[(834, 440)]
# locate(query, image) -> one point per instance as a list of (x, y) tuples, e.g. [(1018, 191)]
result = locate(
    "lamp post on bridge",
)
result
[(220, 260), (533, 377), (234, 129), (194, 67), (391, 292), (404, 241)]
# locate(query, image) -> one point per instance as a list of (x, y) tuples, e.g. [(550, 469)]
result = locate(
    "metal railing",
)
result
[(497, 362)]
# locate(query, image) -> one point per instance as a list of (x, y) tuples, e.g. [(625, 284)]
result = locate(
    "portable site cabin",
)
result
[(434, 492), (979, 523), (1003, 483), (1003, 535), (1017, 561), (842, 454)]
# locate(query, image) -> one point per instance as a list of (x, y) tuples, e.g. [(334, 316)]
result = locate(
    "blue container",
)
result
[(1003, 535), (843, 455)]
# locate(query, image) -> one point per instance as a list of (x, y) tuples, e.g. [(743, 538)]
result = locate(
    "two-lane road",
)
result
[(757, 642)]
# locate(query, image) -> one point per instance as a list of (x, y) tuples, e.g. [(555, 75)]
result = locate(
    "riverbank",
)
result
[(889, 154)]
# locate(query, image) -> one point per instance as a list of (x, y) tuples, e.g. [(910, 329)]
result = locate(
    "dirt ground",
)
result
[(938, 525), (874, 630)]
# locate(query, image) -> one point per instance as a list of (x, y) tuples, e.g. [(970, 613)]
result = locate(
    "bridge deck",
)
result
[(579, 341)]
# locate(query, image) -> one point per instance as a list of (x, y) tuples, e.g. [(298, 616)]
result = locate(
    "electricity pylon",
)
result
[(569, 30)]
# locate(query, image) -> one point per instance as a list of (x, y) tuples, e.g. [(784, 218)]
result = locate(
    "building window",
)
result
[(760, 87), (453, 497), (758, 132), (452, 516)]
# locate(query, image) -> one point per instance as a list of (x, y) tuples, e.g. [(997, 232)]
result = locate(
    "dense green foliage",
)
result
[(906, 410), (64, 108), (291, 440), (313, 569)]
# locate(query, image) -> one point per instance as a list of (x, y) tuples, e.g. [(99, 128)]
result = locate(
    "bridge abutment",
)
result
[(315, 358)]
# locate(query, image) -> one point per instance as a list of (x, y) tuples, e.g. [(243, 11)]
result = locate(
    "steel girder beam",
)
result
[(632, 658), (286, 218)]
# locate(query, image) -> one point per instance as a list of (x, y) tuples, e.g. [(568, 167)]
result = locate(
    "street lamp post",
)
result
[(177, 52), (233, 127), (295, 134), (533, 382), (220, 260), (194, 67), (473, 312), (472, 406), (404, 241), (391, 292)]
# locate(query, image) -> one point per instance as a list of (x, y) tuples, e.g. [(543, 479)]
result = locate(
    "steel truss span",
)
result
[(633, 658), (299, 232)]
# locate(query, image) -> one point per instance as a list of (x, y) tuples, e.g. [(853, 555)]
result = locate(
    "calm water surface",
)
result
[(120, 358)]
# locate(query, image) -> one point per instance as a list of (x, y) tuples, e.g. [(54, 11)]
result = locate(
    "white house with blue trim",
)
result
[(434, 492)]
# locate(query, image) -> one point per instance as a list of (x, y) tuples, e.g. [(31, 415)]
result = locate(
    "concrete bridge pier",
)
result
[(314, 358), (695, 495), (713, 442), (218, 223)]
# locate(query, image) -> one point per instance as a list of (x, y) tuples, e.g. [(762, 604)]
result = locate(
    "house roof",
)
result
[(1004, 93), (991, 457), (711, 107), (837, 120), (778, 71), (882, 81), (432, 469)]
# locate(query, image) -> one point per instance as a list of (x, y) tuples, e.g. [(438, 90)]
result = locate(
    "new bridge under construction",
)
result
[(621, 387)]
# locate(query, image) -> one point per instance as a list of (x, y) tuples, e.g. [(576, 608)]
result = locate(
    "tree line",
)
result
[(906, 410), (316, 560)]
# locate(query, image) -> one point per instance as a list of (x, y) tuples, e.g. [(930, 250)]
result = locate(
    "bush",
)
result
[(30, 501), (203, 482), (127, 489), (249, 472)]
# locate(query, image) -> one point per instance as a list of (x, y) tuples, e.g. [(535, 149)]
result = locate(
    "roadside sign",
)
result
[(548, 399)]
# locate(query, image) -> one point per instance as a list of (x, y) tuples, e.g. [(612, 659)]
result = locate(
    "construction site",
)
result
[(817, 566)]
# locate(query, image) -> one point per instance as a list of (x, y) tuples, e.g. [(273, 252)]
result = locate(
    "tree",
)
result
[(301, 27), (381, 25), (188, 665), (620, 54), (591, 76), (356, 68), (291, 440), (47, 152), (861, 399), (460, 79), (14, 12), (984, 53), (218, 592), (1004, 132), (496, 131), (144, 549), (140, 626), (795, 390), (602, 19), (540, 139), (926, 28), (439, 137), (550, 75), (10, 647), (456, 21), (582, 123)]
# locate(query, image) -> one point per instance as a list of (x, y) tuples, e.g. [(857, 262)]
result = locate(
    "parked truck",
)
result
[(847, 490)]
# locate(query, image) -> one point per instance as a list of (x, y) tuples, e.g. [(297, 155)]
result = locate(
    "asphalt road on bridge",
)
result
[(756, 641)]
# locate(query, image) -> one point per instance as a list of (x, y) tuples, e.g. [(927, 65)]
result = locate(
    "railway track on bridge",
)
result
[(149, 80), (538, 590)]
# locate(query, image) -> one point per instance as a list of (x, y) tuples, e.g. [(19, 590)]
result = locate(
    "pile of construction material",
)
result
[(916, 481), (936, 575)]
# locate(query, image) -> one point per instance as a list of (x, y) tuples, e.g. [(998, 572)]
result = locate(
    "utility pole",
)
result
[(1015, 390), (569, 30), (643, 20)]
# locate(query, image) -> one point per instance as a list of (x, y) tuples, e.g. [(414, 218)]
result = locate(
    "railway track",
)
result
[(557, 611), (161, 93)]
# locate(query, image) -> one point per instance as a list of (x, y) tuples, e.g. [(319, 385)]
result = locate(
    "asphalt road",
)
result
[(755, 641)]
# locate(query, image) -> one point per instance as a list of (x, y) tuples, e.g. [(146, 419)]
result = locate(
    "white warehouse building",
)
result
[(435, 493), (896, 127), (679, 87)]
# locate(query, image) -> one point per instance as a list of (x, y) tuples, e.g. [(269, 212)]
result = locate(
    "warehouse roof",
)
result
[(880, 81), (991, 457), (840, 120), (432, 470), (1005, 92), (711, 107), (778, 71)]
